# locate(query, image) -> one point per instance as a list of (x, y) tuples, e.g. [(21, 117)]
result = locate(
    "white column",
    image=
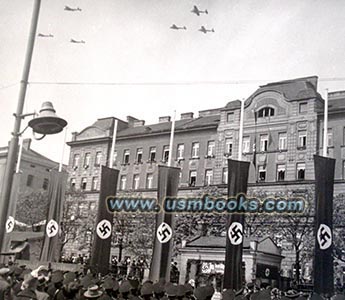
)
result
[(111, 162), (240, 140), (325, 126)]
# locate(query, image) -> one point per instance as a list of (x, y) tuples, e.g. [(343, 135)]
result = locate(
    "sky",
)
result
[(132, 63)]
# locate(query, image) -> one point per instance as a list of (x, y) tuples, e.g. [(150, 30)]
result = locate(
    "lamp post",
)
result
[(45, 122)]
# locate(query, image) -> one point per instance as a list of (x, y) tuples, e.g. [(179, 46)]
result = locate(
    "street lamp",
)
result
[(46, 123)]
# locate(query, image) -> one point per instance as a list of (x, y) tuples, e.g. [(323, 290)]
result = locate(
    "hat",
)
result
[(292, 294), (181, 290), (86, 281), (4, 271), (69, 277), (125, 287), (72, 286), (158, 287), (146, 289), (57, 276), (110, 284), (93, 292), (134, 283), (209, 291), (29, 281), (200, 293), (228, 295), (171, 289), (189, 288)]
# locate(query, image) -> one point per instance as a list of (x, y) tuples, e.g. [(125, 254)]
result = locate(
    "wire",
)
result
[(167, 83), (8, 86)]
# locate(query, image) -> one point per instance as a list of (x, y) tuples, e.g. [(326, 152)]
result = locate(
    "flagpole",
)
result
[(19, 154), (63, 151), (325, 126), (241, 131), (111, 162), (171, 139)]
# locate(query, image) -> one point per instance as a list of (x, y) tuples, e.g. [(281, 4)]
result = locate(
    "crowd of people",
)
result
[(20, 282)]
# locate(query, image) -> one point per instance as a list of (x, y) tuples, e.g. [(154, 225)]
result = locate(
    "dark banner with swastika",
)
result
[(100, 255), (168, 179), (56, 193), (267, 271), (323, 257), (237, 183)]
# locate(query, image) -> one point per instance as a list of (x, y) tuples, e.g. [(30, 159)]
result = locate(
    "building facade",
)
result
[(283, 128)]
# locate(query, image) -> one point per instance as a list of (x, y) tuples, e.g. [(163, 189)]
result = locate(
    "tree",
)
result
[(78, 221), (32, 208)]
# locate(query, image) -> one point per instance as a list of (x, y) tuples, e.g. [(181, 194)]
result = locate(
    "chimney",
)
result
[(131, 120), (187, 116), (74, 136), (26, 144), (138, 123), (164, 119)]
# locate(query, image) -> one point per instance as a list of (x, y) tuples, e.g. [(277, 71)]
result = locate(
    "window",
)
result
[(139, 158), (282, 141), (208, 177), (180, 151), (302, 139), (195, 150), (45, 184), (126, 154), (76, 159), (303, 108), (228, 146), (149, 181), (136, 179), (211, 146), (165, 157), (343, 169), (29, 180), (281, 172), (94, 186), (98, 158), (344, 136), (225, 175), (123, 181), (230, 117), (72, 184), (266, 112), (87, 158), (263, 142), (262, 173), (246, 144), (83, 183), (152, 154), (192, 178), (300, 171)]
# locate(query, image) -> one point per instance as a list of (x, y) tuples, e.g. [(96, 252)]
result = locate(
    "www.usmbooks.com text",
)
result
[(206, 204)]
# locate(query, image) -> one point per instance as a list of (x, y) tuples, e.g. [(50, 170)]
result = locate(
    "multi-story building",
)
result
[(283, 127)]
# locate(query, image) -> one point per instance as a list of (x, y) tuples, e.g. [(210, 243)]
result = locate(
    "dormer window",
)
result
[(266, 112)]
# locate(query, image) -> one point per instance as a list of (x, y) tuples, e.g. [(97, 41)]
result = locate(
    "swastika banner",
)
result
[(100, 255), (323, 258), (168, 178), (56, 193), (237, 183)]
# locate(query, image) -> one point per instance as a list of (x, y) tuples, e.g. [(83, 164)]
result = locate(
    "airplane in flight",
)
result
[(77, 42), (72, 9), (173, 26), (204, 30), (45, 35), (197, 11)]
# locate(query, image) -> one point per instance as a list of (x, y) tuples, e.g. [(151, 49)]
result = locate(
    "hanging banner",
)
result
[(237, 183), (100, 255), (56, 195), (168, 179), (323, 256)]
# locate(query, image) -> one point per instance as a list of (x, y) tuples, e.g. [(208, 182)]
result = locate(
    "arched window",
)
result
[(266, 112)]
